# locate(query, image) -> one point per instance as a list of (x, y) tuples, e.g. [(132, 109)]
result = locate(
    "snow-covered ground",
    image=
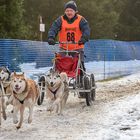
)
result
[(114, 115)]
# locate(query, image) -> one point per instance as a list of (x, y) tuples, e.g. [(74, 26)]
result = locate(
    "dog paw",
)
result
[(60, 114), (4, 116), (50, 108), (29, 120), (18, 127), (15, 121), (12, 111)]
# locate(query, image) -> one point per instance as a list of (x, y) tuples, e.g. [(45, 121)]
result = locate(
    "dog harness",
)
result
[(54, 92), (22, 102), (70, 33)]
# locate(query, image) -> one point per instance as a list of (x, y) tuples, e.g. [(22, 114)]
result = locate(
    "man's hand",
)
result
[(82, 41), (51, 41)]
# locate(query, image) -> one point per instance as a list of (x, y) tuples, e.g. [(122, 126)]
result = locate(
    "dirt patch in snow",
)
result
[(107, 91)]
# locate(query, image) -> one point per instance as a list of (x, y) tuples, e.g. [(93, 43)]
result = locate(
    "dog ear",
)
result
[(57, 72), (22, 73), (14, 73), (4, 68), (8, 70), (51, 70)]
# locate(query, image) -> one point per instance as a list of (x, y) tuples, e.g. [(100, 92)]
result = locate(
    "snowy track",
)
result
[(114, 115)]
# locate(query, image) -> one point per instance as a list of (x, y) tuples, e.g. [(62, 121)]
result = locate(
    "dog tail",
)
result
[(64, 77)]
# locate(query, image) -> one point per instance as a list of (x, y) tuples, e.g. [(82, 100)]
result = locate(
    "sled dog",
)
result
[(5, 79), (2, 109), (57, 91), (5, 92), (25, 93)]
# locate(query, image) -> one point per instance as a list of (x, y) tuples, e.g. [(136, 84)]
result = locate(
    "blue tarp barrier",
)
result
[(15, 52)]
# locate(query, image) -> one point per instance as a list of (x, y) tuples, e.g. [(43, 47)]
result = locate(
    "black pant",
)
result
[(83, 69)]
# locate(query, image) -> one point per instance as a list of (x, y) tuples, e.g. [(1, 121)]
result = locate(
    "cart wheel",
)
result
[(87, 94), (93, 92), (40, 99), (41, 83)]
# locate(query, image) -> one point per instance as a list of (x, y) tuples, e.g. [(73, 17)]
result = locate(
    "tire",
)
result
[(40, 98), (93, 92), (41, 83), (87, 94)]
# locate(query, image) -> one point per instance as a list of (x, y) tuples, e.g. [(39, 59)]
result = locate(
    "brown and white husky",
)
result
[(25, 93)]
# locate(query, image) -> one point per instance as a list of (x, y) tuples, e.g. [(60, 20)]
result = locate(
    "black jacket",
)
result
[(56, 27)]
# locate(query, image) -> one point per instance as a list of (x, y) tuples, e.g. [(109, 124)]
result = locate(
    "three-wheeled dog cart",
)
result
[(70, 62)]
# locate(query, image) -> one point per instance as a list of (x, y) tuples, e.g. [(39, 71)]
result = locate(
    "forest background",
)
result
[(108, 19)]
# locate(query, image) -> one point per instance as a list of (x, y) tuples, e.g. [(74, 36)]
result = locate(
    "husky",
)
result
[(4, 74), (5, 92), (2, 109), (25, 94), (5, 79), (57, 91)]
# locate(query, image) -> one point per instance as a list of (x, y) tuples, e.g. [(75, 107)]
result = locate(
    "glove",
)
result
[(51, 41), (82, 41)]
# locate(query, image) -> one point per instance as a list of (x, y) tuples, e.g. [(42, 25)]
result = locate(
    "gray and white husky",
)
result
[(5, 91), (56, 91), (5, 78)]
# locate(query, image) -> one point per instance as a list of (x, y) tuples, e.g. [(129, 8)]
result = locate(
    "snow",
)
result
[(100, 69), (108, 69), (114, 115)]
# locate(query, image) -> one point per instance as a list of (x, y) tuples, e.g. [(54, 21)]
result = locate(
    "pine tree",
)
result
[(12, 24)]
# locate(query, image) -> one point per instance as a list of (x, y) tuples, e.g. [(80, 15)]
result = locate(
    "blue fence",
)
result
[(105, 54)]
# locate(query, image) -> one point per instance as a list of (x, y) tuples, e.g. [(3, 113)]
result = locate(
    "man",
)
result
[(71, 27)]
